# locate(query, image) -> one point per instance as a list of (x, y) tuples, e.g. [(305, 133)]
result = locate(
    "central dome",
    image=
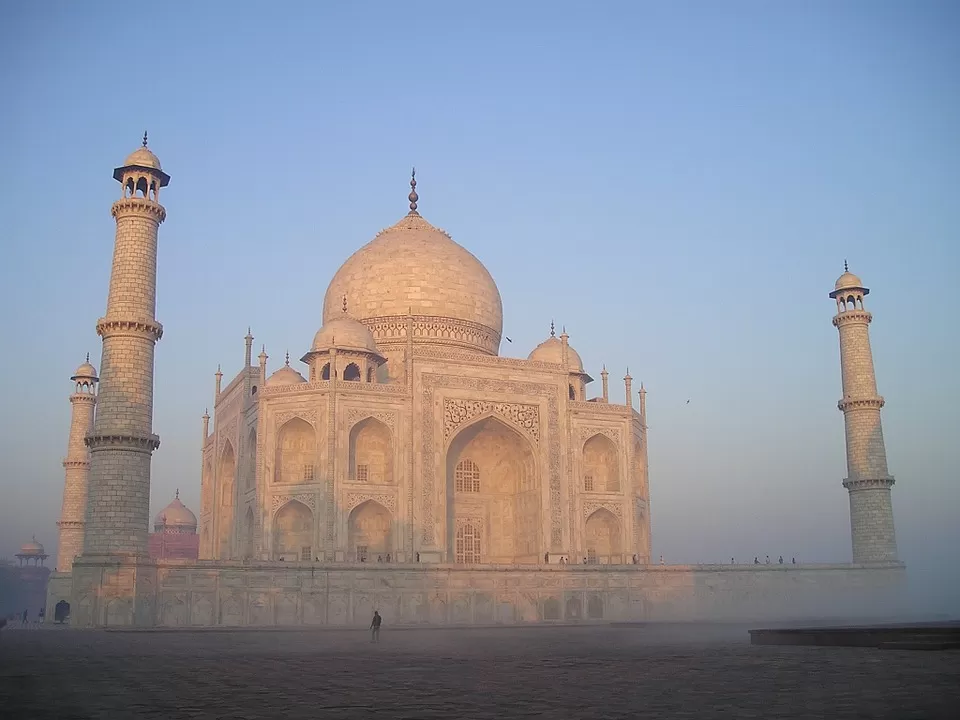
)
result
[(414, 268)]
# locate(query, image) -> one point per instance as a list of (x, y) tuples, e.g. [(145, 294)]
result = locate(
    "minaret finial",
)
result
[(845, 268), (144, 138), (413, 197), (88, 357), (288, 358), (553, 329)]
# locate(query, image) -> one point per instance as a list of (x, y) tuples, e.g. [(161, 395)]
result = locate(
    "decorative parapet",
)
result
[(112, 327), (444, 330), (126, 441), (138, 206), (869, 483), (852, 316), (874, 403)]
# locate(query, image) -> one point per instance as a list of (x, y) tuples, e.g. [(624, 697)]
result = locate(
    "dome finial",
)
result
[(344, 305), (88, 357), (413, 197), (845, 268), (553, 330), (177, 494), (144, 138), (288, 358)]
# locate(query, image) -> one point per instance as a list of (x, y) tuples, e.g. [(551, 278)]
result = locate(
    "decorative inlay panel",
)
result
[(585, 433), (306, 415), (355, 415), (229, 433), (456, 412), (307, 499), (591, 506), (389, 501)]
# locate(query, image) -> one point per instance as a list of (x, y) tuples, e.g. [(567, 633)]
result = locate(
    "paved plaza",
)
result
[(550, 672)]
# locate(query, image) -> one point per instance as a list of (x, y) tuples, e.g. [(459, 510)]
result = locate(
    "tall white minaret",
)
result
[(76, 466), (868, 481), (122, 441)]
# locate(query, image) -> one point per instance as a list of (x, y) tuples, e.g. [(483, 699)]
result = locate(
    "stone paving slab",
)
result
[(585, 672)]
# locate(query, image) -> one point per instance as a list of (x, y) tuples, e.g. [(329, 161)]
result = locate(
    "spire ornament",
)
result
[(553, 330), (288, 358), (413, 197), (845, 268), (144, 138), (344, 306)]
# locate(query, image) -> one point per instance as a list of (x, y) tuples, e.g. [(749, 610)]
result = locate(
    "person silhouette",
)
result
[(375, 627)]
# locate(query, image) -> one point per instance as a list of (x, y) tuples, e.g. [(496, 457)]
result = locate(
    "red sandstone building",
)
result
[(175, 533)]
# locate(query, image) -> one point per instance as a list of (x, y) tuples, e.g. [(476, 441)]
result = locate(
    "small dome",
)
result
[(175, 516), (285, 376), (143, 157), (848, 281), (85, 371), (344, 333), (551, 351), (31, 548)]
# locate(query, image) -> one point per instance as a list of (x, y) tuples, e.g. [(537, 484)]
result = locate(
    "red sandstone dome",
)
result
[(175, 518)]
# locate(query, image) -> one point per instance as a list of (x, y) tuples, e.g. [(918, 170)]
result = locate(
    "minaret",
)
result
[(867, 481), (76, 466), (249, 350), (122, 441), (628, 388), (605, 377)]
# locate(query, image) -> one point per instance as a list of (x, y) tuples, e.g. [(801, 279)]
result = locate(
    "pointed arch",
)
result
[(504, 506), (351, 373), (371, 453), (369, 531), (226, 479), (603, 537), (601, 464), (296, 453), (293, 532)]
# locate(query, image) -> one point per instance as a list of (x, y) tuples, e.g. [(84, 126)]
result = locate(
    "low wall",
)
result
[(183, 593)]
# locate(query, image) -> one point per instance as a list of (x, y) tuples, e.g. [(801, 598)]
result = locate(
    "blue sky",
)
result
[(676, 183)]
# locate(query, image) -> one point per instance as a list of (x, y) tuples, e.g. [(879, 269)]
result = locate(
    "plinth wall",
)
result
[(184, 593)]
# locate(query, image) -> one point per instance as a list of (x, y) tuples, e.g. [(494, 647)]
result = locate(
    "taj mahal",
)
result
[(405, 465)]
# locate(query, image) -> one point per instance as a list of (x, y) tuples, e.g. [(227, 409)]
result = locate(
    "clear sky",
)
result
[(676, 183)]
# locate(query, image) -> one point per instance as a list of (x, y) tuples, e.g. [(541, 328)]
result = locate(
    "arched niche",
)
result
[(369, 531), (250, 471), (371, 453), (601, 465), (296, 453), (639, 471), (226, 474), (351, 373), (249, 526), (501, 497), (603, 537), (293, 532)]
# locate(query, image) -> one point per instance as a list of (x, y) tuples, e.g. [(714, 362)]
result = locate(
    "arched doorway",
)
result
[(601, 465), (296, 453), (602, 537), (293, 532), (370, 532), (371, 453), (226, 474), (493, 488)]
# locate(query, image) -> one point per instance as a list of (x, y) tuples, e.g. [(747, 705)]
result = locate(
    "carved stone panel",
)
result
[(355, 415), (456, 412), (388, 500), (586, 433), (307, 499), (309, 416), (591, 506)]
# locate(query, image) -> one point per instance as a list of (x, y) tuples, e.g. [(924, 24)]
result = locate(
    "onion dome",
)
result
[(175, 518), (86, 371), (415, 269)]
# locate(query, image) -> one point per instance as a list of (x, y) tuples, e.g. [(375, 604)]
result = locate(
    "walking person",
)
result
[(375, 627)]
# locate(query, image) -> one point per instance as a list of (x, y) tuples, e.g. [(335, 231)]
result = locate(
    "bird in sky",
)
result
[(688, 402), (508, 339)]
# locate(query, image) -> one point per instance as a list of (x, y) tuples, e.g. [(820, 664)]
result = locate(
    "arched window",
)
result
[(468, 544), (325, 372), (351, 373), (370, 375), (467, 476)]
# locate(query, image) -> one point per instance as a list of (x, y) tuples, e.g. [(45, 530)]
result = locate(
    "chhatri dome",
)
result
[(413, 268), (31, 548), (848, 281), (551, 351), (285, 376), (175, 518)]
